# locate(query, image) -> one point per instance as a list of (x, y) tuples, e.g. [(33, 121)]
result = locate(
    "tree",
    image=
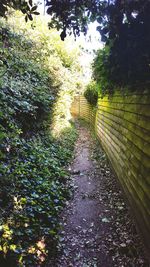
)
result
[(113, 16), (123, 25), (126, 57), (27, 8)]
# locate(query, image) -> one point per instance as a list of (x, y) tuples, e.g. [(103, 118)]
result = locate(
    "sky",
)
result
[(92, 38), (91, 42)]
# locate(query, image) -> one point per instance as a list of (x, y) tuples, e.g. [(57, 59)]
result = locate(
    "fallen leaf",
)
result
[(105, 220)]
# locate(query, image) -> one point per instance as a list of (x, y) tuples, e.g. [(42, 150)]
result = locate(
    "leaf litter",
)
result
[(97, 228)]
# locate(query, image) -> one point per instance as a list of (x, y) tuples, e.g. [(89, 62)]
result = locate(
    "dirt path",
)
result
[(97, 228)]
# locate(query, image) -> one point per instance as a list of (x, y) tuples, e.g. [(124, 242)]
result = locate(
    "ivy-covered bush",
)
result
[(91, 93), (112, 71), (101, 71), (124, 61), (33, 179), (33, 191)]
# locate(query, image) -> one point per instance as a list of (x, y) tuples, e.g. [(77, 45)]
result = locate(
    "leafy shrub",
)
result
[(102, 72), (33, 192), (112, 71), (33, 179), (124, 62), (91, 93)]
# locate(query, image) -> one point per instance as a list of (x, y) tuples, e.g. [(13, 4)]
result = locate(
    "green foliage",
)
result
[(26, 7), (112, 71), (33, 179), (25, 93), (101, 71), (32, 194), (91, 93), (124, 28), (123, 25), (124, 62)]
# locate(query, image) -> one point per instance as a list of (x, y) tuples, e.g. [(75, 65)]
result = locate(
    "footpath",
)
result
[(97, 225)]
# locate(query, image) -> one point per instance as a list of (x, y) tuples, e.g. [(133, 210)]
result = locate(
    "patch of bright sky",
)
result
[(91, 43)]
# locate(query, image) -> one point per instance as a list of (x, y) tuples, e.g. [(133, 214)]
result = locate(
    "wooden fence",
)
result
[(122, 124)]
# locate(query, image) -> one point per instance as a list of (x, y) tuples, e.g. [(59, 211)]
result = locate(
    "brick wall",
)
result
[(122, 124)]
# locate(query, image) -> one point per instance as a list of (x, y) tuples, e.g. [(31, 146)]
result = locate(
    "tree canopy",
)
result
[(125, 59), (113, 16), (123, 25)]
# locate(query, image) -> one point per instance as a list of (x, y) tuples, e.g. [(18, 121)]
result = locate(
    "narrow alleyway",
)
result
[(97, 228)]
